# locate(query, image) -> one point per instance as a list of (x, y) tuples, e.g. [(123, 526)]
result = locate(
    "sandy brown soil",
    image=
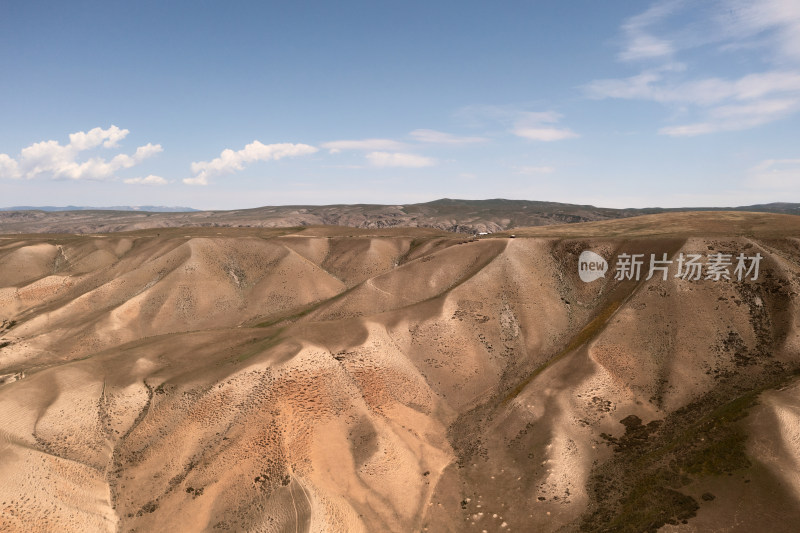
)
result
[(344, 380)]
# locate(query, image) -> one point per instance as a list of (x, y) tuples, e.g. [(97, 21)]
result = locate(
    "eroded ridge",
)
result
[(324, 381)]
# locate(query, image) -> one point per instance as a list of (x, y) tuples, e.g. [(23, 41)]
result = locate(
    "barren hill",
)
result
[(464, 216), (399, 379)]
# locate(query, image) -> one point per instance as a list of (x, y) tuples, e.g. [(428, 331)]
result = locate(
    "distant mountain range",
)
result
[(149, 208), (465, 216)]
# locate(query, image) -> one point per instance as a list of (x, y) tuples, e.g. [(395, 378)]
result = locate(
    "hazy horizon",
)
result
[(187, 209)]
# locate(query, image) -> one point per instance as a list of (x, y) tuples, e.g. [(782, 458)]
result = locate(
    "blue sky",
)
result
[(222, 106)]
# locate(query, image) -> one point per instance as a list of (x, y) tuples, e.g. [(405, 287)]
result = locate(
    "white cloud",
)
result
[(230, 161), (149, 180), (95, 137), (776, 174), (386, 159), (60, 161), (142, 153), (9, 168), (363, 144), (534, 126), (440, 137)]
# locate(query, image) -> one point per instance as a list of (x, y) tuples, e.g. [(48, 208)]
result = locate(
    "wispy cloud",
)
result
[(440, 137), (770, 24), (386, 159), (736, 117), (640, 42), (535, 170), (717, 103), (482, 115), (533, 125), (149, 180), (363, 144), (655, 86), (52, 159), (775, 174), (231, 161), (545, 134), (541, 127)]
